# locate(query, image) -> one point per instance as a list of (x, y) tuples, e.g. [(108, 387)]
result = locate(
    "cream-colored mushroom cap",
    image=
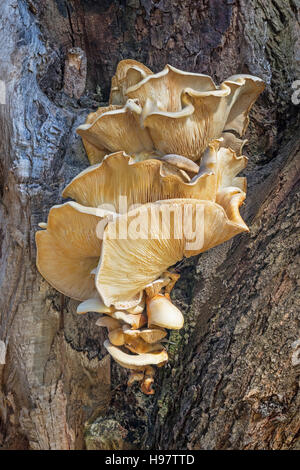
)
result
[(128, 73), (171, 112), (110, 323), (119, 182), (93, 305), (162, 312), (185, 111), (137, 361), (155, 240), (150, 335), (68, 250), (112, 129)]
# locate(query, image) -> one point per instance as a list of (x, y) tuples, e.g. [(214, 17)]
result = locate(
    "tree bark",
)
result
[(232, 378)]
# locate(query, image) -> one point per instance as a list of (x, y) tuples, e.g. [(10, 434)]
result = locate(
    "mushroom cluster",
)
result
[(163, 185)]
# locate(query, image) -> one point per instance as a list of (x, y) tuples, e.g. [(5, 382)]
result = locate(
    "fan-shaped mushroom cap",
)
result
[(136, 362), (171, 112), (111, 129), (128, 73), (69, 249), (184, 111), (162, 312), (128, 265), (119, 182)]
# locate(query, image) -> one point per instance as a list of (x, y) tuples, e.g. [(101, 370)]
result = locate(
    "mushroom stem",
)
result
[(135, 376), (146, 385)]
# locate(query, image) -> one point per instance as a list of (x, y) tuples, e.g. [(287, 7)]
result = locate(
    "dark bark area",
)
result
[(233, 376)]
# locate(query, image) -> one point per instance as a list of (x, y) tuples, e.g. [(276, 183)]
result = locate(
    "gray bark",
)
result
[(232, 378)]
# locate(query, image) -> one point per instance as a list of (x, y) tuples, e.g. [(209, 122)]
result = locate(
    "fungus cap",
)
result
[(155, 240), (68, 249), (171, 112)]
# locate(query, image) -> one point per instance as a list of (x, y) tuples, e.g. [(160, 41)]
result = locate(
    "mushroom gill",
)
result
[(157, 237), (118, 182), (171, 112), (68, 249)]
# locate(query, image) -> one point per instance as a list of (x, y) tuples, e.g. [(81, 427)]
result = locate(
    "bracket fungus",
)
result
[(163, 185)]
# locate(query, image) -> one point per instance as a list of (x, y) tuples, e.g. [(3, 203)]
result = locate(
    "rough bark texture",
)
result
[(232, 379)]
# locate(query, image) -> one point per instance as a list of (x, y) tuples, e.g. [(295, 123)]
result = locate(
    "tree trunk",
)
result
[(232, 378)]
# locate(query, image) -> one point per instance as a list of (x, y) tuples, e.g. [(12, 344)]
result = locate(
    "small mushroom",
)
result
[(141, 182), (163, 313), (110, 323), (94, 305), (137, 361), (117, 337), (181, 162), (149, 335), (136, 321), (42, 224)]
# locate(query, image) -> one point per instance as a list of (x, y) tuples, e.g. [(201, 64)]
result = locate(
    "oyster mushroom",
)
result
[(93, 305), (127, 266), (140, 182), (171, 112), (107, 322), (69, 249), (161, 312), (111, 129), (175, 207), (136, 361), (128, 73), (148, 380), (149, 335)]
